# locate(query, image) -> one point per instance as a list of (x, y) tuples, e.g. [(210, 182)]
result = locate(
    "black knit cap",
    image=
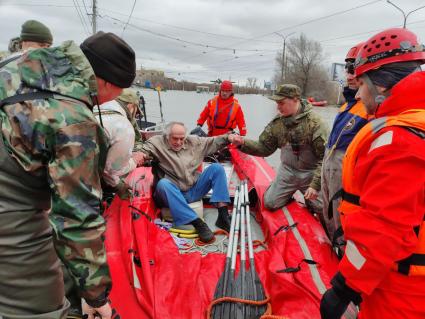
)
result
[(111, 58)]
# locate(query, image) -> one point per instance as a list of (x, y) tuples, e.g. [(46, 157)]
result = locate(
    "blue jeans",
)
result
[(169, 195)]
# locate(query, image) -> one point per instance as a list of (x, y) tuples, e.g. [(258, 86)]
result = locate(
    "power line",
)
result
[(85, 8), (353, 35), (325, 17), (129, 17), (207, 46), (38, 5), (81, 17), (298, 25), (187, 29), (237, 59)]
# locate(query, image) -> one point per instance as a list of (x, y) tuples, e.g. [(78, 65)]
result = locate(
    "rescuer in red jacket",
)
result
[(223, 112), (383, 204)]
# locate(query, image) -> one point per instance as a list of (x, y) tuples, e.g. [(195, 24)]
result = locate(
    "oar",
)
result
[(143, 103), (250, 311), (258, 289), (227, 309), (241, 279), (223, 283), (160, 105)]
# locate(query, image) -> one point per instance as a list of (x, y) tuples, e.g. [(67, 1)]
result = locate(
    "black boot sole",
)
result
[(220, 224)]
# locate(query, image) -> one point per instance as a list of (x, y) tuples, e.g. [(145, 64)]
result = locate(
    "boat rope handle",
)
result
[(267, 314)]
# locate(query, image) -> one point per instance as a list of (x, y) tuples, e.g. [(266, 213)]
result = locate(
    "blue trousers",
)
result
[(169, 195)]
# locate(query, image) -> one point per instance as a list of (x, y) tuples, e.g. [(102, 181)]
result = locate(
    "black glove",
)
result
[(198, 131), (336, 299)]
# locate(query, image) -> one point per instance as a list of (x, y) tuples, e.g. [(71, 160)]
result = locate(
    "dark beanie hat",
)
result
[(35, 31), (111, 58), (389, 75)]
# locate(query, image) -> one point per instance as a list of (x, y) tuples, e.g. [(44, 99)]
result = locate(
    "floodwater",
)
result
[(186, 106)]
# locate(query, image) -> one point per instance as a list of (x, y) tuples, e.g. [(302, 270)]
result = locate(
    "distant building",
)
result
[(202, 89), (152, 76), (268, 85), (337, 73)]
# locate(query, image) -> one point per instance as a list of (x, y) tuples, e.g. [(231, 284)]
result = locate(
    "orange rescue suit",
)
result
[(223, 116), (414, 264)]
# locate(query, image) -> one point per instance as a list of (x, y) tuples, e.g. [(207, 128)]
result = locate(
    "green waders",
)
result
[(295, 172), (31, 282)]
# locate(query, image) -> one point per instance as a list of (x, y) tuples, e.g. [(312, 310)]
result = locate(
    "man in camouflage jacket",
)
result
[(52, 150), (301, 136)]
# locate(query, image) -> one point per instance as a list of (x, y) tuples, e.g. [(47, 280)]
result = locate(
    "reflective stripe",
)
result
[(261, 168), (136, 281), (378, 124), (354, 256), (307, 255), (384, 139)]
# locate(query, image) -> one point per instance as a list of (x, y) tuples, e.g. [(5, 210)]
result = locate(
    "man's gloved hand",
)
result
[(336, 299), (332, 306), (198, 131)]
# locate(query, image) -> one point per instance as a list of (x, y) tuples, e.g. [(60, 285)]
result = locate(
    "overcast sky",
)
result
[(201, 40)]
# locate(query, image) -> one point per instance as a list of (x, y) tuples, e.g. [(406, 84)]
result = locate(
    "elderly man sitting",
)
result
[(178, 157)]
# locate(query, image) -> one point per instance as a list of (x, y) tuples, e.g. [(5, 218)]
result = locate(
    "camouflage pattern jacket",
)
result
[(300, 134), (121, 134), (61, 136)]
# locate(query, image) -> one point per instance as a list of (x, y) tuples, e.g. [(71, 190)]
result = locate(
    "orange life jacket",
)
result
[(414, 264), (215, 113)]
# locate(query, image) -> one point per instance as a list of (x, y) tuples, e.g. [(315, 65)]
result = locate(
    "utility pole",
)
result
[(94, 16), (283, 65), (404, 14)]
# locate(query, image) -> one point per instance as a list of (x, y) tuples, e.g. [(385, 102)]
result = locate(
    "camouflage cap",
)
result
[(14, 45), (286, 90), (129, 96)]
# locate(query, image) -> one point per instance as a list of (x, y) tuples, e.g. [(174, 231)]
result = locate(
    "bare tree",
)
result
[(304, 66), (251, 83)]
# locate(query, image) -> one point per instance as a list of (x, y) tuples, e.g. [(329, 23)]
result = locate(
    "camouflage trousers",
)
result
[(31, 284), (288, 180)]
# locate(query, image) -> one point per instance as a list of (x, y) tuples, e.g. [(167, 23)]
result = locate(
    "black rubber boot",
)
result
[(223, 219), (72, 294), (204, 232)]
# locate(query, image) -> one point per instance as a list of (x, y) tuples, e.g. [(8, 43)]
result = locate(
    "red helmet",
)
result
[(352, 53), (226, 86), (389, 46)]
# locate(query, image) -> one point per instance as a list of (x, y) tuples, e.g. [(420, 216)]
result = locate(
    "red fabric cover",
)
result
[(391, 180), (224, 109), (177, 285)]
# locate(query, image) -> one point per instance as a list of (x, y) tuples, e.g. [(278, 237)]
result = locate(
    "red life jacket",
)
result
[(224, 114), (414, 265)]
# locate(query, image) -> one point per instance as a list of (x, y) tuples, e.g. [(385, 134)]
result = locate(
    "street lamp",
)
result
[(283, 69), (404, 15)]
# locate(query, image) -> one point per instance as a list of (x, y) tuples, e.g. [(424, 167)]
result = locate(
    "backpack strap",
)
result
[(38, 95), (7, 61)]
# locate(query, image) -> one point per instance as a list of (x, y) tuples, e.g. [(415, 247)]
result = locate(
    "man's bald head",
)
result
[(175, 133)]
